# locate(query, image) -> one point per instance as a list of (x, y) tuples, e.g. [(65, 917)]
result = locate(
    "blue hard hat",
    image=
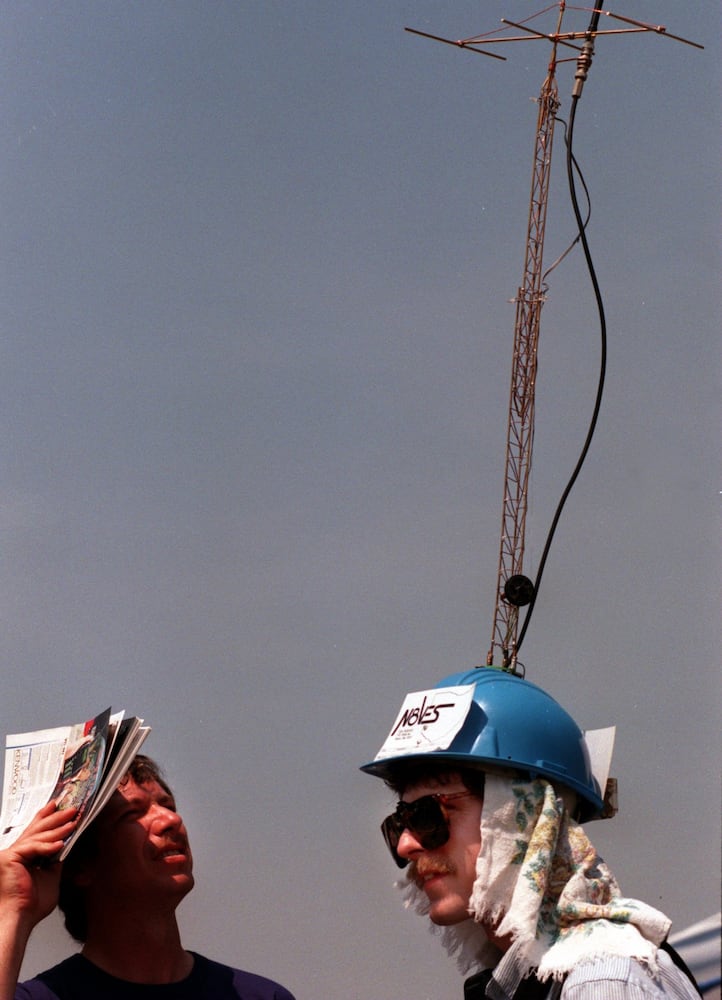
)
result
[(510, 722)]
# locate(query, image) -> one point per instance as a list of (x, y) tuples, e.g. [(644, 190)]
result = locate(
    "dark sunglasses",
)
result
[(426, 818)]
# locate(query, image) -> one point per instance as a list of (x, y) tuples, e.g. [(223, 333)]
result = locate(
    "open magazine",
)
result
[(77, 766)]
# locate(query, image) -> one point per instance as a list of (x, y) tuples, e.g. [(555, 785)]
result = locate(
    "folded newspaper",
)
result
[(77, 766)]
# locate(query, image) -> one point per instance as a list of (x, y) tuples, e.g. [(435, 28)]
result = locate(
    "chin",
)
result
[(444, 916), (185, 883)]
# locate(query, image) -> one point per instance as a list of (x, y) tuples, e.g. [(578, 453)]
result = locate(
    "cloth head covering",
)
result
[(540, 882)]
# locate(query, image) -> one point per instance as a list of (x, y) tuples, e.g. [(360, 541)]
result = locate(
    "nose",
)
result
[(165, 819), (408, 846)]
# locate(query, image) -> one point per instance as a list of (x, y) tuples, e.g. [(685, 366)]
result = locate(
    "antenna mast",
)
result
[(514, 589)]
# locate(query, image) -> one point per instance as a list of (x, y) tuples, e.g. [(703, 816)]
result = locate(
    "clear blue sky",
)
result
[(257, 259)]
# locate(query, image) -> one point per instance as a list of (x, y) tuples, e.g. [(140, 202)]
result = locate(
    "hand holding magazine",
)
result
[(77, 766)]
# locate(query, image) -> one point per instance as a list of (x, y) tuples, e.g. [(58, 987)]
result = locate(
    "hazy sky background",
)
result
[(257, 259)]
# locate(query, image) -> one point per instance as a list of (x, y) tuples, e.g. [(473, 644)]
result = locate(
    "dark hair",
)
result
[(404, 774), (71, 900)]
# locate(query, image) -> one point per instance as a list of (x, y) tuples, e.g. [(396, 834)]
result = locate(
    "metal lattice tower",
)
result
[(520, 429)]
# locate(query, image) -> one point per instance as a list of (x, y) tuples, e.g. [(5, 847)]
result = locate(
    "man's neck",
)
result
[(139, 952), (502, 943)]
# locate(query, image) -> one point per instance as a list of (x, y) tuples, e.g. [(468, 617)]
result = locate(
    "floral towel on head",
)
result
[(541, 882)]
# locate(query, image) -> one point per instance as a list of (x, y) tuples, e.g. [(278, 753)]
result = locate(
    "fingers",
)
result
[(46, 833), (50, 817)]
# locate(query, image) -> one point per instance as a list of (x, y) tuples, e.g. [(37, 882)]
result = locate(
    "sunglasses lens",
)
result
[(424, 818), (391, 835)]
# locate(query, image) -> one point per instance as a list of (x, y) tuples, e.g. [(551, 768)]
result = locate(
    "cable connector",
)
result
[(584, 61)]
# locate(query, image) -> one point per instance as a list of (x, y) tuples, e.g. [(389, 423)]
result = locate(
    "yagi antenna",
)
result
[(558, 38), (514, 589)]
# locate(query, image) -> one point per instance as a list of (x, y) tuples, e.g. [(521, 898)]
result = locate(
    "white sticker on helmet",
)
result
[(428, 720)]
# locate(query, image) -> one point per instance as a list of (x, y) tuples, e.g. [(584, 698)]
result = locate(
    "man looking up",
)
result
[(118, 890), (492, 777)]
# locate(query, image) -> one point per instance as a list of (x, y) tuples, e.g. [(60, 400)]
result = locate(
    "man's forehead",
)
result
[(445, 781), (129, 790), (129, 786)]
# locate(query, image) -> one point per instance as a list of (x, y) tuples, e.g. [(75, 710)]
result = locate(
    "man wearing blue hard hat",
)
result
[(494, 778)]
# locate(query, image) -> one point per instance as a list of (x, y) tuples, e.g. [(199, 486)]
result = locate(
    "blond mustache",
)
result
[(420, 870)]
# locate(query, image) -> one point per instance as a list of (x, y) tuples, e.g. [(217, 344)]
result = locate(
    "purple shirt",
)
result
[(78, 979)]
